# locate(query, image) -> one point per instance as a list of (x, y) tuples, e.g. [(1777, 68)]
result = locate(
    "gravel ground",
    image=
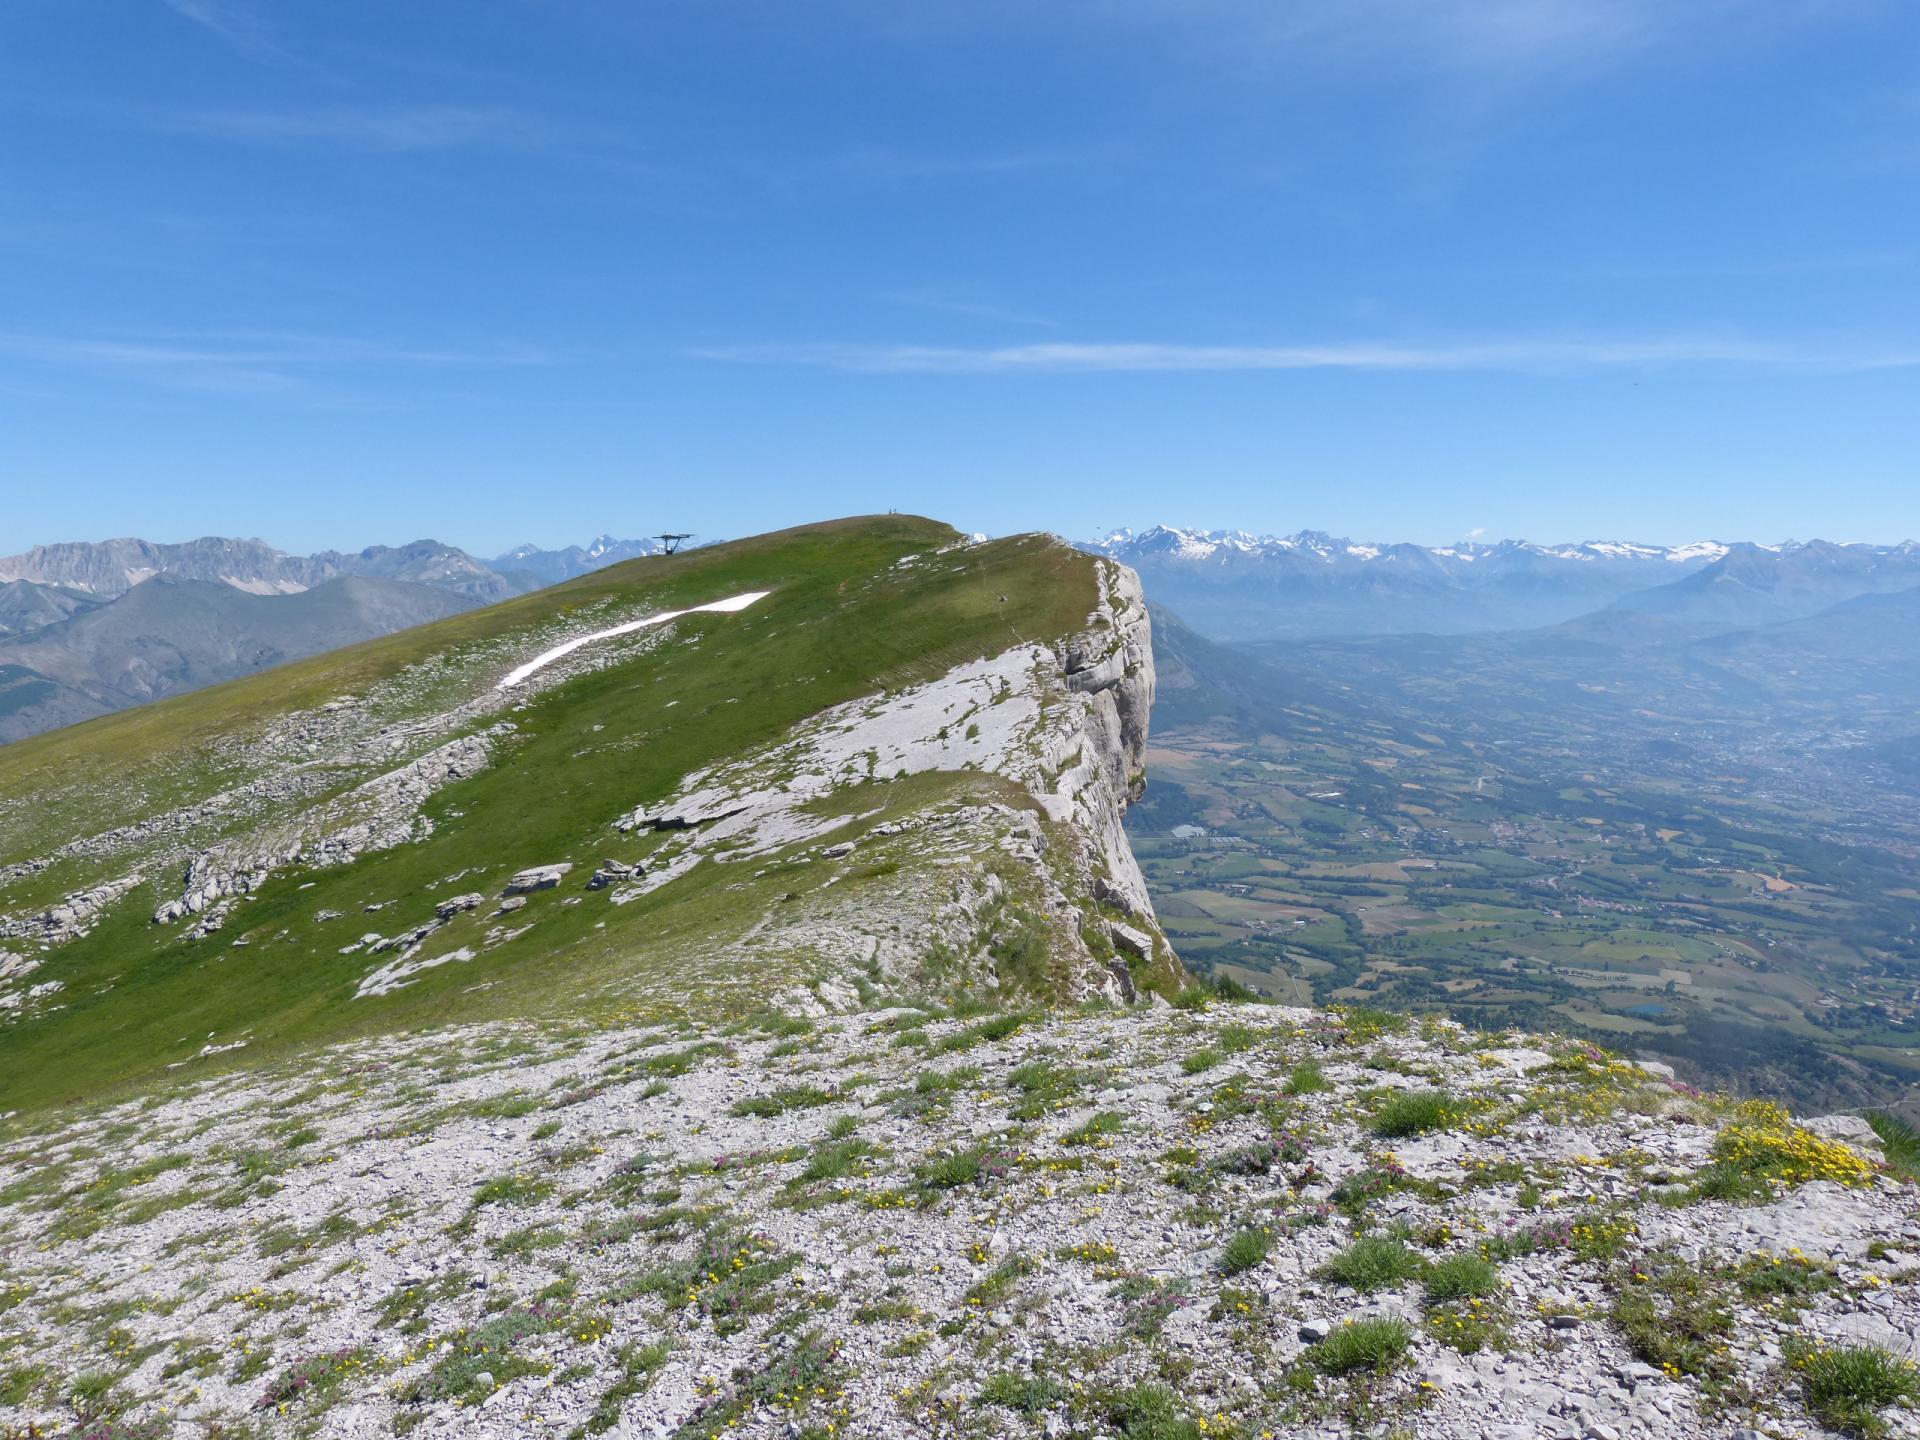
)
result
[(909, 1224)]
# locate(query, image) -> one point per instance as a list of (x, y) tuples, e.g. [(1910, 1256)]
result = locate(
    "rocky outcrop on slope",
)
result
[(1066, 723), (1194, 1222)]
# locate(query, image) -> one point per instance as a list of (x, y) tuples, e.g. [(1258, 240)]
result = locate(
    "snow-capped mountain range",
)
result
[(1233, 584), (1165, 540), (553, 566)]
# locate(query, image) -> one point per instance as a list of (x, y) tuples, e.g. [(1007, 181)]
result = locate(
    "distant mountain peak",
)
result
[(1235, 584)]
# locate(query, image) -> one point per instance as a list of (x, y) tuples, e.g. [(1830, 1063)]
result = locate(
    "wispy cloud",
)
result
[(235, 23), (1763, 269), (259, 361), (1510, 38), (392, 128), (1545, 355)]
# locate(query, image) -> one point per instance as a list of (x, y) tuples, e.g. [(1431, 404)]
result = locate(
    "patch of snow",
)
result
[(1698, 550), (730, 605)]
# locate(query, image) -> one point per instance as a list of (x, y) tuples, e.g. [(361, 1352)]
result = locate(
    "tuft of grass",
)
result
[(1724, 1180), (835, 1160), (1107, 1122), (1847, 1386), (986, 1032), (1415, 1112), (1307, 1079), (638, 1365), (788, 1097), (1150, 1412), (950, 1172), (1901, 1141), (998, 1283), (946, 1082), (1372, 1263), (1043, 1084), (511, 1190), (1246, 1250), (1377, 1344), (1460, 1277), (1029, 1394), (1676, 1317)]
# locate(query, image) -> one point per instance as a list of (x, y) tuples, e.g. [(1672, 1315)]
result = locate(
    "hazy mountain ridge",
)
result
[(54, 673), (27, 605), (172, 634), (553, 566), (1234, 585), (108, 569)]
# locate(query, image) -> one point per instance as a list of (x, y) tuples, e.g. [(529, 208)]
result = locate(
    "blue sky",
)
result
[(1405, 269)]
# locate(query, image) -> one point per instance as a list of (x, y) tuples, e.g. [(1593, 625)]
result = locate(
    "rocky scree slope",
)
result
[(1163, 1223), (899, 772)]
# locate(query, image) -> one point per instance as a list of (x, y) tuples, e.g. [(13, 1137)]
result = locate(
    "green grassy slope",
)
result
[(843, 620)]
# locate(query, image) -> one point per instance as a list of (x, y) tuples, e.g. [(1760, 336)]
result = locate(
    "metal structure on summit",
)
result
[(671, 543)]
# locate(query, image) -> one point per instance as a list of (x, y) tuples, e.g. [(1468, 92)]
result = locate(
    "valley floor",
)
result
[(1199, 1221)]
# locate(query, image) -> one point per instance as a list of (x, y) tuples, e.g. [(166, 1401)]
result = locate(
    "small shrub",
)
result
[(1236, 1039), (946, 1082), (791, 1097), (1763, 1142), (1285, 1147), (1146, 1304), (1382, 1175), (1726, 1180), (998, 1283)]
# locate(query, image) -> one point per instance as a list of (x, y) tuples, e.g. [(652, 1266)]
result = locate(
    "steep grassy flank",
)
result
[(843, 620)]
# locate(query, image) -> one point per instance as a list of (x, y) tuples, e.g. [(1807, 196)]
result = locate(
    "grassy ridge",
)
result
[(844, 619)]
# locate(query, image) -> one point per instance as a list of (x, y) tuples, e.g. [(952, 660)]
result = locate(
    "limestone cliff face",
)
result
[(1109, 669), (974, 875)]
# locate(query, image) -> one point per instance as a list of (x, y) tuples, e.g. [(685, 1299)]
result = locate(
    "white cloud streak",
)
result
[(1542, 355), (233, 23), (243, 360), (388, 128)]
